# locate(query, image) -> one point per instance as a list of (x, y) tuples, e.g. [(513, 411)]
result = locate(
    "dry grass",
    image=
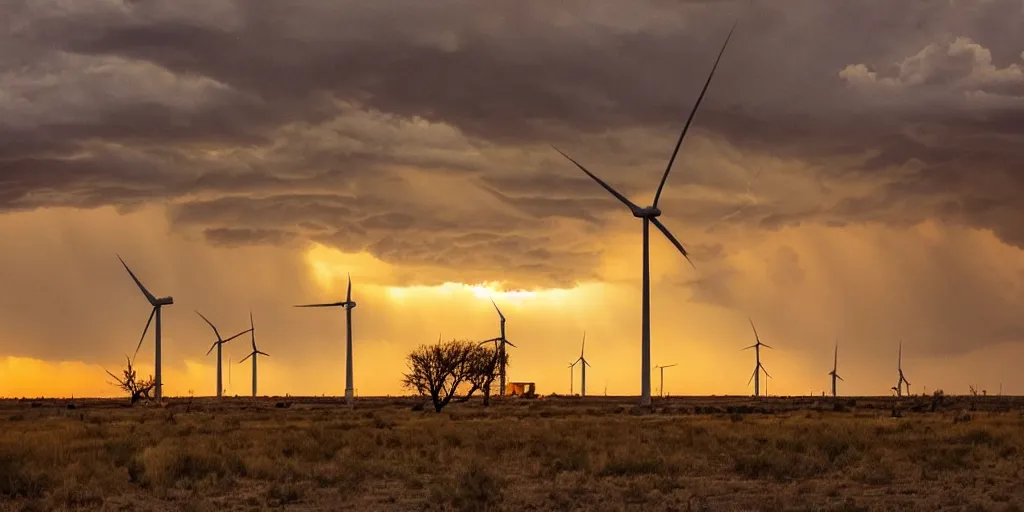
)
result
[(548, 454)]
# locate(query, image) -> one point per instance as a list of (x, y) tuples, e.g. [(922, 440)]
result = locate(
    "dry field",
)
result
[(553, 453)]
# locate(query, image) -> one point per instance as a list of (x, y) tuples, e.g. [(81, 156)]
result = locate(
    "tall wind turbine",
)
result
[(349, 305), (902, 380), (756, 377), (502, 341), (583, 366), (157, 303), (835, 367), (661, 386), (253, 354), (649, 215), (218, 344)]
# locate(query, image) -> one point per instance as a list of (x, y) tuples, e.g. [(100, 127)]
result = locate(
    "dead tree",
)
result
[(128, 383), (485, 364), (437, 371)]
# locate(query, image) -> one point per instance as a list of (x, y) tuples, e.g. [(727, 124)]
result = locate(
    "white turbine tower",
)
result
[(502, 341), (157, 303), (758, 367), (835, 368), (349, 305), (253, 354), (661, 387), (649, 215), (218, 344), (583, 367)]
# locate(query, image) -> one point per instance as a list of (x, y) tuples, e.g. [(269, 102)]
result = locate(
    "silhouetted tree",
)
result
[(136, 390), (484, 367), (439, 371)]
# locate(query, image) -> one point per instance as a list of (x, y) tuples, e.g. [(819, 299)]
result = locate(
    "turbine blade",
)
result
[(840, 378), (752, 346), (693, 112), (247, 357), (766, 372), (497, 309), (215, 331), (632, 206), (237, 335), (585, 362), (671, 238), (751, 379), (578, 360), (348, 294), (756, 337), (507, 342), (211, 348), (765, 345), (262, 353), (584, 346), (329, 305), (149, 296), (670, 365), (143, 338), (492, 340)]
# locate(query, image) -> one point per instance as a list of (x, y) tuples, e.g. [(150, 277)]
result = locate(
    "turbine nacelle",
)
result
[(648, 212), (163, 301)]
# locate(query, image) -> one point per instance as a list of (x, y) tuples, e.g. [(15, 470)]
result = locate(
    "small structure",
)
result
[(523, 389)]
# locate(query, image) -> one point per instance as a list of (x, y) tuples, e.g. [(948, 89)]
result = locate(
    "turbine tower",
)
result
[(583, 367), (253, 354), (218, 344), (902, 380), (661, 386), (649, 215), (835, 366), (157, 304), (349, 305), (502, 341), (758, 367)]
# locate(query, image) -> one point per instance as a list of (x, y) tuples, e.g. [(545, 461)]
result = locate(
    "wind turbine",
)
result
[(649, 215), (157, 303), (756, 377), (502, 341), (902, 380), (349, 305), (661, 387), (253, 354), (835, 366), (218, 344), (583, 367)]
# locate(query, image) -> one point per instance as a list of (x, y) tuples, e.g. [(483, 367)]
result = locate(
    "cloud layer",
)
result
[(421, 135)]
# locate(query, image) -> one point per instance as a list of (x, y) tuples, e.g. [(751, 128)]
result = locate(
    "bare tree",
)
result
[(438, 371), (137, 390), (485, 363)]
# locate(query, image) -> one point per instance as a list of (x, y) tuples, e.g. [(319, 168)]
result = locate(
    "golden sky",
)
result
[(844, 179)]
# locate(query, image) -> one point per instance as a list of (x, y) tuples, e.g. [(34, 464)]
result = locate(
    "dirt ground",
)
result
[(552, 453)]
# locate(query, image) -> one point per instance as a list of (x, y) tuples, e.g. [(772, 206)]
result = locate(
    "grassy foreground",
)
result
[(545, 454)]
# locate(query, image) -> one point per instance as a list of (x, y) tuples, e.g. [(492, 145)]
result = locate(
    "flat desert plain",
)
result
[(549, 453)]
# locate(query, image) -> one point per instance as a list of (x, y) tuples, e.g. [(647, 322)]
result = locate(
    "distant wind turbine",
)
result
[(218, 344), (157, 304), (571, 377), (902, 380), (650, 215), (758, 367), (661, 386), (501, 342), (835, 367), (349, 305), (253, 354), (583, 366)]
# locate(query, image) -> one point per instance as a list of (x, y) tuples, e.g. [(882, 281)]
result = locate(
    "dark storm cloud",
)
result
[(262, 121)]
